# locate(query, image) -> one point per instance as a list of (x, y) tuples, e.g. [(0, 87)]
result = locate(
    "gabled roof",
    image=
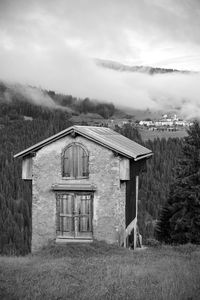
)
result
[(100, 135)]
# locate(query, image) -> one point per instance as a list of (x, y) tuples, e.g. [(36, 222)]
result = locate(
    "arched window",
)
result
[(75, 161)]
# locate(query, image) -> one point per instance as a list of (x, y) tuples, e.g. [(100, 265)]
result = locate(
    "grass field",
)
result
[(99, 271), (151, 135)]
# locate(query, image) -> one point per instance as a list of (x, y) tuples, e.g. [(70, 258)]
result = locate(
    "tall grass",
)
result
[(99, 271)]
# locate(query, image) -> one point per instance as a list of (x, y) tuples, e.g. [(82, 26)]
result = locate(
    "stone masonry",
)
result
[(109, 197)]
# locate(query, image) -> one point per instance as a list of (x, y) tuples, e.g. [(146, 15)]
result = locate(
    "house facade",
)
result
[(84, 186)]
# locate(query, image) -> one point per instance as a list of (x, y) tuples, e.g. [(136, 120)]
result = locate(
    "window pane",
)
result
[(70, 205), (65, 208), (85, 213), (58, 213), (61, 205), (66, 204), (84, 224), (67, 224)]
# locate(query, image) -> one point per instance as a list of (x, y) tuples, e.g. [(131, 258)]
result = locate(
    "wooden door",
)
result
[(83, 217), (74, 215), (65, 215)]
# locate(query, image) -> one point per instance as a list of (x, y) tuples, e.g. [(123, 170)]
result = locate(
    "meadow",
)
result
[(101, 271), (151, 135)]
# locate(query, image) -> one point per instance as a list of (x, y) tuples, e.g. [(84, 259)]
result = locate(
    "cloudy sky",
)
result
[(52, 43)]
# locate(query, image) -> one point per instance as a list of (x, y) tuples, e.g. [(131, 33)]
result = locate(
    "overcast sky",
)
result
[(51, 44)]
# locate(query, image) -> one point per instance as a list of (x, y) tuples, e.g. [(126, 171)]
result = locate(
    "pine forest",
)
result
[(23, 124)]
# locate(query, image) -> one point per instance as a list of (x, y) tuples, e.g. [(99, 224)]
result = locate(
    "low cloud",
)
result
[(34, 95), (72, 73), (50, 45)]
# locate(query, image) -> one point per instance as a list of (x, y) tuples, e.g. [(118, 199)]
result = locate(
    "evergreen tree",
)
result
[(129, 131), (180, 218)]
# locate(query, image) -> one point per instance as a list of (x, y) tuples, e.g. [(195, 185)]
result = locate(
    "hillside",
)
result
[(100, 271), (109, 64), (15, 93), (151, 135)]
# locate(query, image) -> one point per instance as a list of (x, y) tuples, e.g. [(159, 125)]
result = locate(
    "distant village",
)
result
[(170, 123), (165, 123)]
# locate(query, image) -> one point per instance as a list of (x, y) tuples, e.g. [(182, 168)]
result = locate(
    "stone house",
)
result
[(84, 186)]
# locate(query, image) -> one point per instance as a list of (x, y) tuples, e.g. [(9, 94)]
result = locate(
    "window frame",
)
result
[(75, 144)]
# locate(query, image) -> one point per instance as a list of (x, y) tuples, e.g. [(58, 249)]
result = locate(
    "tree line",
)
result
[(179, 220), (14, 94), (156, 178)]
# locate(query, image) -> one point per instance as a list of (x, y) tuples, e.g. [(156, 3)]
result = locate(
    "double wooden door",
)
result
[(74, 214)]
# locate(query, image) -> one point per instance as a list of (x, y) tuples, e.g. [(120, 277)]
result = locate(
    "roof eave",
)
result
[(67, 131), (105, 145), (43, 143), (114, 150), (146, 156)]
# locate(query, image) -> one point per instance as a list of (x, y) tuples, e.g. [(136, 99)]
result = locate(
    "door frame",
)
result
[(76, 234)]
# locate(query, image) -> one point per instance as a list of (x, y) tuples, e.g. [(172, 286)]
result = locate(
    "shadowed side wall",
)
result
[(132, 190), (109, 197), (132, 200)]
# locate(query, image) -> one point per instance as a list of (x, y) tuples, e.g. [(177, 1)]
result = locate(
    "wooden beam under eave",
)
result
[(124, 169), (27, 164)]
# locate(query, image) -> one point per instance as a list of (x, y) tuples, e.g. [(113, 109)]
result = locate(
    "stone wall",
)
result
[(109, 197)]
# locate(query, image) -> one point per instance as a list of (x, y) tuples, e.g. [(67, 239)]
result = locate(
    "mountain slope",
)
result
[(109, 64)]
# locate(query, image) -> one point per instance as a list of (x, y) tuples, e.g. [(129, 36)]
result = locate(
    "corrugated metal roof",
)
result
[(101, 135)]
